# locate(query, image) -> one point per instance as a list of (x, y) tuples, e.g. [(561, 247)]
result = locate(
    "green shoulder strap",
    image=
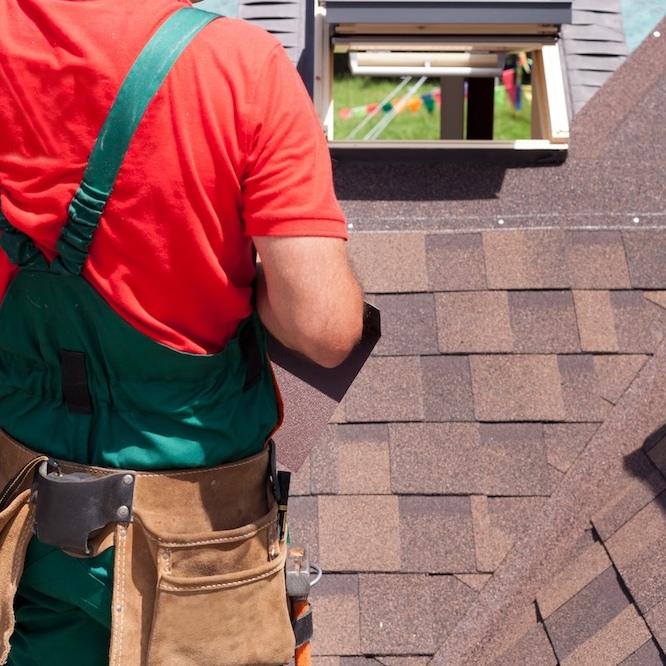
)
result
[(140, 85), (138, 88)]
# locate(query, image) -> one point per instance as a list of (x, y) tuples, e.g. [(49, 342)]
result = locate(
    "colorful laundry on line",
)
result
[(429, 100), (511, 80)]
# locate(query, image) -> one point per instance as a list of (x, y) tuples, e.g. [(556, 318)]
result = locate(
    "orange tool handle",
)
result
[(302, 656)]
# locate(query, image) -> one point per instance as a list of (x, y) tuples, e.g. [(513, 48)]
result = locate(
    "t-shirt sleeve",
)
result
[(287, 187)]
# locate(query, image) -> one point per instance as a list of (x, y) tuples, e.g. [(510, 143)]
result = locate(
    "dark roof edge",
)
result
[(611, 104)]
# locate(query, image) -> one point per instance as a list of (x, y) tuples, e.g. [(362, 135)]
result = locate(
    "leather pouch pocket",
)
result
[(15, 533), (221, 599)]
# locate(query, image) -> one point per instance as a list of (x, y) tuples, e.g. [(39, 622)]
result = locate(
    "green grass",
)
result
[(351, 91)]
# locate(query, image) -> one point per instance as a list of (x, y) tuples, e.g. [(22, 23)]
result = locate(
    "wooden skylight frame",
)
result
[(549, 127)]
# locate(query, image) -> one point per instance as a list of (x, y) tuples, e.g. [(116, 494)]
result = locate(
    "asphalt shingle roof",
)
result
[(492, 489)]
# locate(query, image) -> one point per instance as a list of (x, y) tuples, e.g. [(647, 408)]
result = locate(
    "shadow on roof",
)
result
[(364, 181)]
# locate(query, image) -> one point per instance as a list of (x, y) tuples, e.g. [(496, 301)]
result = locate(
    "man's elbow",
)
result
[(335, 347)]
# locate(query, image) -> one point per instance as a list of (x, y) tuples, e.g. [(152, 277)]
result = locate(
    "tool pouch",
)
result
[(16, 514), (199, 573), (15, 532)]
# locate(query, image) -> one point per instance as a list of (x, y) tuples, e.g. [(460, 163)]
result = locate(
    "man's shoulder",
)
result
[(228, 33)]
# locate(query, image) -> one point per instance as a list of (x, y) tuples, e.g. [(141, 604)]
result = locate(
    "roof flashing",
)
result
[(471, 12)]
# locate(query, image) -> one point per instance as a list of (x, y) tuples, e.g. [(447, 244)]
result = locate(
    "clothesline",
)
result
[(511, 81)]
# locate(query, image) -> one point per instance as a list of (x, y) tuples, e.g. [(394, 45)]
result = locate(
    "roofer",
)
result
[(129, 328)]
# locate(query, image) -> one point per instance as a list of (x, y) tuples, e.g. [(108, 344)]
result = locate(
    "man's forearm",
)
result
[(323, 325)]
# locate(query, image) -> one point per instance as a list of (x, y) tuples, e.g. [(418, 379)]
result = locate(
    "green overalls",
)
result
[(78, 383)]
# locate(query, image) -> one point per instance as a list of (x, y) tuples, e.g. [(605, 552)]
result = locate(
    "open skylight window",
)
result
[(451, 61)]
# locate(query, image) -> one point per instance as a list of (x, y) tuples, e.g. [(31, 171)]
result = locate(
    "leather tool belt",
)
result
[(199, 564)]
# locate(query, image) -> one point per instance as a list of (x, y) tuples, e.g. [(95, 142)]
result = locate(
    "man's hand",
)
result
[(308, 296)]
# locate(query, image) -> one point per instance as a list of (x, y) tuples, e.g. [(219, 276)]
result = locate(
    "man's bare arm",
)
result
[(308, 296)]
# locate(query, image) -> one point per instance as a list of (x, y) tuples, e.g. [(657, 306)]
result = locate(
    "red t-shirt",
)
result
[(229, 148)]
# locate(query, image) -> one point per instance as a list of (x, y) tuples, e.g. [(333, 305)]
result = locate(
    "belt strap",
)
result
[(242, 487), (18, 480)]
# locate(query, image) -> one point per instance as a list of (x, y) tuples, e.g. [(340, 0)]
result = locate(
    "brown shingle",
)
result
[(450, 600), (386, 389), (475, 581), (631, 540), (455, 262), (556, 477), (513, 457), (572, 579), (396, 614), (324, 462), (337, 615), (658, 297), (646, 655), (459, 458), (598, 472), (533, 648), (638, 322), (595, 321), (646, 250), (613, 643), (517, 388), (488, 544), (447, 388), (646, 575), (615, 372), (597, 260), (300, 481), (526, 260), (498, 523), (389, 262), (656, 620), (510, 518), (303, 518), (543, 322), (473, 322), (435, 458), (655, 447), (580, 618), (564, 441), (580, 389), (307, 410), (364, 468), (362, 432), (624, 505), (351, 459), (358, 533), (436, 534), (408, 324), (613, 112)]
